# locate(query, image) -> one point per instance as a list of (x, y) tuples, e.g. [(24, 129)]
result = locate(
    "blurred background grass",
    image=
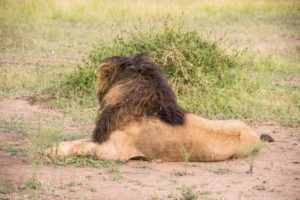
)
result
[(42, 42)]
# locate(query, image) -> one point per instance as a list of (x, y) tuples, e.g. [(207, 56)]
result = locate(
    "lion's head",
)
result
[(130, 88)]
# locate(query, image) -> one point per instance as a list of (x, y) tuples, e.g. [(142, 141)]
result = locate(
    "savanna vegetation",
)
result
[(225, 59)]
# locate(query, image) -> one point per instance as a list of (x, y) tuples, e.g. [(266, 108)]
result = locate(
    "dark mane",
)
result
[(136, 88)]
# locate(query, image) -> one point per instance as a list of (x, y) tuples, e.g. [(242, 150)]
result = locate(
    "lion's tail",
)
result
[(266, 138)]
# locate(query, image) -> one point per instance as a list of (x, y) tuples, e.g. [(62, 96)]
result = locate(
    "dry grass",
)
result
[(43, 41)]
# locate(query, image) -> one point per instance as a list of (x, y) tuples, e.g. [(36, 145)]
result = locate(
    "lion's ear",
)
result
[(124, 65), (140, 57)]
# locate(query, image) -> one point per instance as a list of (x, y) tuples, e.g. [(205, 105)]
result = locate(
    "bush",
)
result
[(202, 74)]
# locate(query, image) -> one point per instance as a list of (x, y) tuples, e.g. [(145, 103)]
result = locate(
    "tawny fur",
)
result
[(139, 117)]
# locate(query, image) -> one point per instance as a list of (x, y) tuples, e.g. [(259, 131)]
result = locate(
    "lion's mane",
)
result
[(130, 88)]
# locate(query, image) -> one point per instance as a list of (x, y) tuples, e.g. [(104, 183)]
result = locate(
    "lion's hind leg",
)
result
[(249, 141)]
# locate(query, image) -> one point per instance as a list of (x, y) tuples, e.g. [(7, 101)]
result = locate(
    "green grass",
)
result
[(219, 171), (91, 10), (14, 123), (253, 155), (187, 59), (187, 194), (44, 42), (47, 137), (13, 151), (82, 161), (2, 188), (49, 47), (114, 173), (207, 79), (23, 80), (32, 183), (43, 23)]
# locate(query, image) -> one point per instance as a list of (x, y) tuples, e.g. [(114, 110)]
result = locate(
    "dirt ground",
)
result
[(276, 171)]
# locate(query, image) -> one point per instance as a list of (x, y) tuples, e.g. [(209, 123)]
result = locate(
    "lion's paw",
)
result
[(51, 151), (57, 150)]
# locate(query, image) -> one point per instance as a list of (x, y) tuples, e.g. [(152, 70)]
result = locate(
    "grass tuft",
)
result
[(83, 161), (209, 80), (18, 152), (203, 75), (187, 194), (45, 138)]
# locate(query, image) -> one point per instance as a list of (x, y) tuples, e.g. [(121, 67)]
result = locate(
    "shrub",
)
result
[(202, 74)]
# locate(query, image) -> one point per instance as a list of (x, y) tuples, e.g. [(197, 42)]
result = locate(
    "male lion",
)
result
[(140, 118)]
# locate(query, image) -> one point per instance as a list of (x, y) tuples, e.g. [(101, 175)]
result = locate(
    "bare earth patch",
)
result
[(292, 81), (275, 175)]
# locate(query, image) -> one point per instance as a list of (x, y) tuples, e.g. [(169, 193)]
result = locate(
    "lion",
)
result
[(139, 118)]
